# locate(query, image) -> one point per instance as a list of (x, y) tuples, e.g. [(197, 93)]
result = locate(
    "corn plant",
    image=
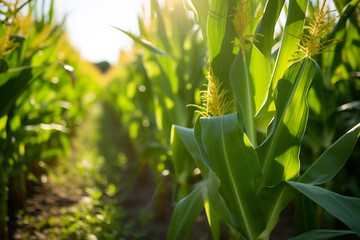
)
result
[(255, 113), (162, 77), (37, 98)]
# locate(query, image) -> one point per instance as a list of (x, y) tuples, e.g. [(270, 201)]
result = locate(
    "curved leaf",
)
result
[(346, 209), (216, 26), (181, 157), (294, 27), (332, 160), (188, 139), (266, 26), (321, 234), (201, 11), (281, 161), (250, 86), (185, 214), (235, 163), (144, 43)]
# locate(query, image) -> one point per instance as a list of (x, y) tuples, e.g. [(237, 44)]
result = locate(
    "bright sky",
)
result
[(89, 25)]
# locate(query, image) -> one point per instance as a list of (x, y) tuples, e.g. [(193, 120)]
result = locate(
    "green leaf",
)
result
[(266, 26), (216, 26), (188, 137), (213, 196), (144, 43), (212, 217), (346, 209), (181, 157), (185, 214), (279, 154), (294, 26), (201, 12), (3, 66), (235, 163), (321, 234), (250, 87), (216, 199), (305, 216), (221, 34), (15, 86), (332, 160)]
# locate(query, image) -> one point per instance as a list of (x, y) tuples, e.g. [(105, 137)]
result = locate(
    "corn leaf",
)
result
[(188, 139), (14, 87), (266, 26), (332, 160), (212, 216), (216, 26), (235, 163), (216, 200), (3, 65), (294, 26), (201, 12), (305, 216), (322, 234), (221, 34), (346, 209), (185, 214), (250, 86), (144, 43), (181, 157), (281, 161)]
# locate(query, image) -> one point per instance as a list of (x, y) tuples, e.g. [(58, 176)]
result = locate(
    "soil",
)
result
[(44, 200)]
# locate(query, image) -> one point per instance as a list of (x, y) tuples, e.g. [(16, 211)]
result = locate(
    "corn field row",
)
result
[(245, 107)]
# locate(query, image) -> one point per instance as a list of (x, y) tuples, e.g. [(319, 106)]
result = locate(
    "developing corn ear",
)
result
[(249, 159)]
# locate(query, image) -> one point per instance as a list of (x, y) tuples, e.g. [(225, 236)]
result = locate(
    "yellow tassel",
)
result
[(310, 42), (214, 102), (241, 22)]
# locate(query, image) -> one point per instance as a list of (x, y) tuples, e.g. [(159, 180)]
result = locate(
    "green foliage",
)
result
[(40, 104), (253, 154)]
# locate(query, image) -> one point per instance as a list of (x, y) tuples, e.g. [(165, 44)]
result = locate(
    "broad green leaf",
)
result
[(144, 43), (185, 214), (332, 160), (279, 154), (3, 65), (201, 12), (221, 34), (212, 217), (250, 87), (322, 234), (188, 139), (305, 216), (266, 26), (181, 157), (274, 200), (346, 209), (235, 163), (294, 27), (14, 87), (216, 199), (216, 26)]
